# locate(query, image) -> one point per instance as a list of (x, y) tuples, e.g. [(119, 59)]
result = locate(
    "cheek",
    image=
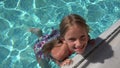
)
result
[(87, 38), (85, 41), (71, 46)]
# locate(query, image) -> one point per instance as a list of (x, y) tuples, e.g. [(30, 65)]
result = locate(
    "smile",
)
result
[(79, 47)]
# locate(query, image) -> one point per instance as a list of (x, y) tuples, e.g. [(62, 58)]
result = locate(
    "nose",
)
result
[(78, 44)]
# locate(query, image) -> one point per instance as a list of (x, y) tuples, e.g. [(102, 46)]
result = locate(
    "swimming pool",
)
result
[(17, 16)]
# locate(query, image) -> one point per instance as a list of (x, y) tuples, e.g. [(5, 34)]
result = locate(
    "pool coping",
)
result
[(78, 59)]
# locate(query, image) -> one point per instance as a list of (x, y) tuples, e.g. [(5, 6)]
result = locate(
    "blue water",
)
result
[(17, 16)]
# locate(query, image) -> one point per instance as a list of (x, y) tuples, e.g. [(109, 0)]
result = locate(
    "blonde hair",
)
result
[(70, 20)]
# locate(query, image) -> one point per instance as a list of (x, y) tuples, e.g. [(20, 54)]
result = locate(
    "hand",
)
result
[(66, 62)]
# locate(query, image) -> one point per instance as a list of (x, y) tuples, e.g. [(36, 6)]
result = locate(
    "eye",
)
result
[(71, 39), (83, 38)]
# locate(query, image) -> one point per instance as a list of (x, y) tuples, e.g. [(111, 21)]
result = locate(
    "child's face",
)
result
[(76, 37)]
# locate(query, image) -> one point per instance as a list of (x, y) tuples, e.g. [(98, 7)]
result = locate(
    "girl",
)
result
[(73, 38), (74, 31)]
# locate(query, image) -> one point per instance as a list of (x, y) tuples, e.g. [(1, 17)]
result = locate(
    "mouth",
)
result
[(82, 47), (79, 49)]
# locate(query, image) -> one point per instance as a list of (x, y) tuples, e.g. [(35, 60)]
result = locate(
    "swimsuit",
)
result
[(42, 40)]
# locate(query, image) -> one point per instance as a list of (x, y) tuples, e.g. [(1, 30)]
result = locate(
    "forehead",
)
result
[(75, 32), (75, 29)]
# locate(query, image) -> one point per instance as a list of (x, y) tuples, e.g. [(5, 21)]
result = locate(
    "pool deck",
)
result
[(105, 54)]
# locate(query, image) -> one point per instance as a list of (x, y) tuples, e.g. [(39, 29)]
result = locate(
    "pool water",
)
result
[(17, 16)]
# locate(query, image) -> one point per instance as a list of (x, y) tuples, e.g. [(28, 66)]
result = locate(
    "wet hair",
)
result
[(70, 20)]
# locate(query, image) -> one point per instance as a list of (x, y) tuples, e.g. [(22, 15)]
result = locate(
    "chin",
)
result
[(80, 52)]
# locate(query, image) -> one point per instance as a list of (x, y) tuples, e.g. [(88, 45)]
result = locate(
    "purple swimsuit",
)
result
[(42, 40)]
